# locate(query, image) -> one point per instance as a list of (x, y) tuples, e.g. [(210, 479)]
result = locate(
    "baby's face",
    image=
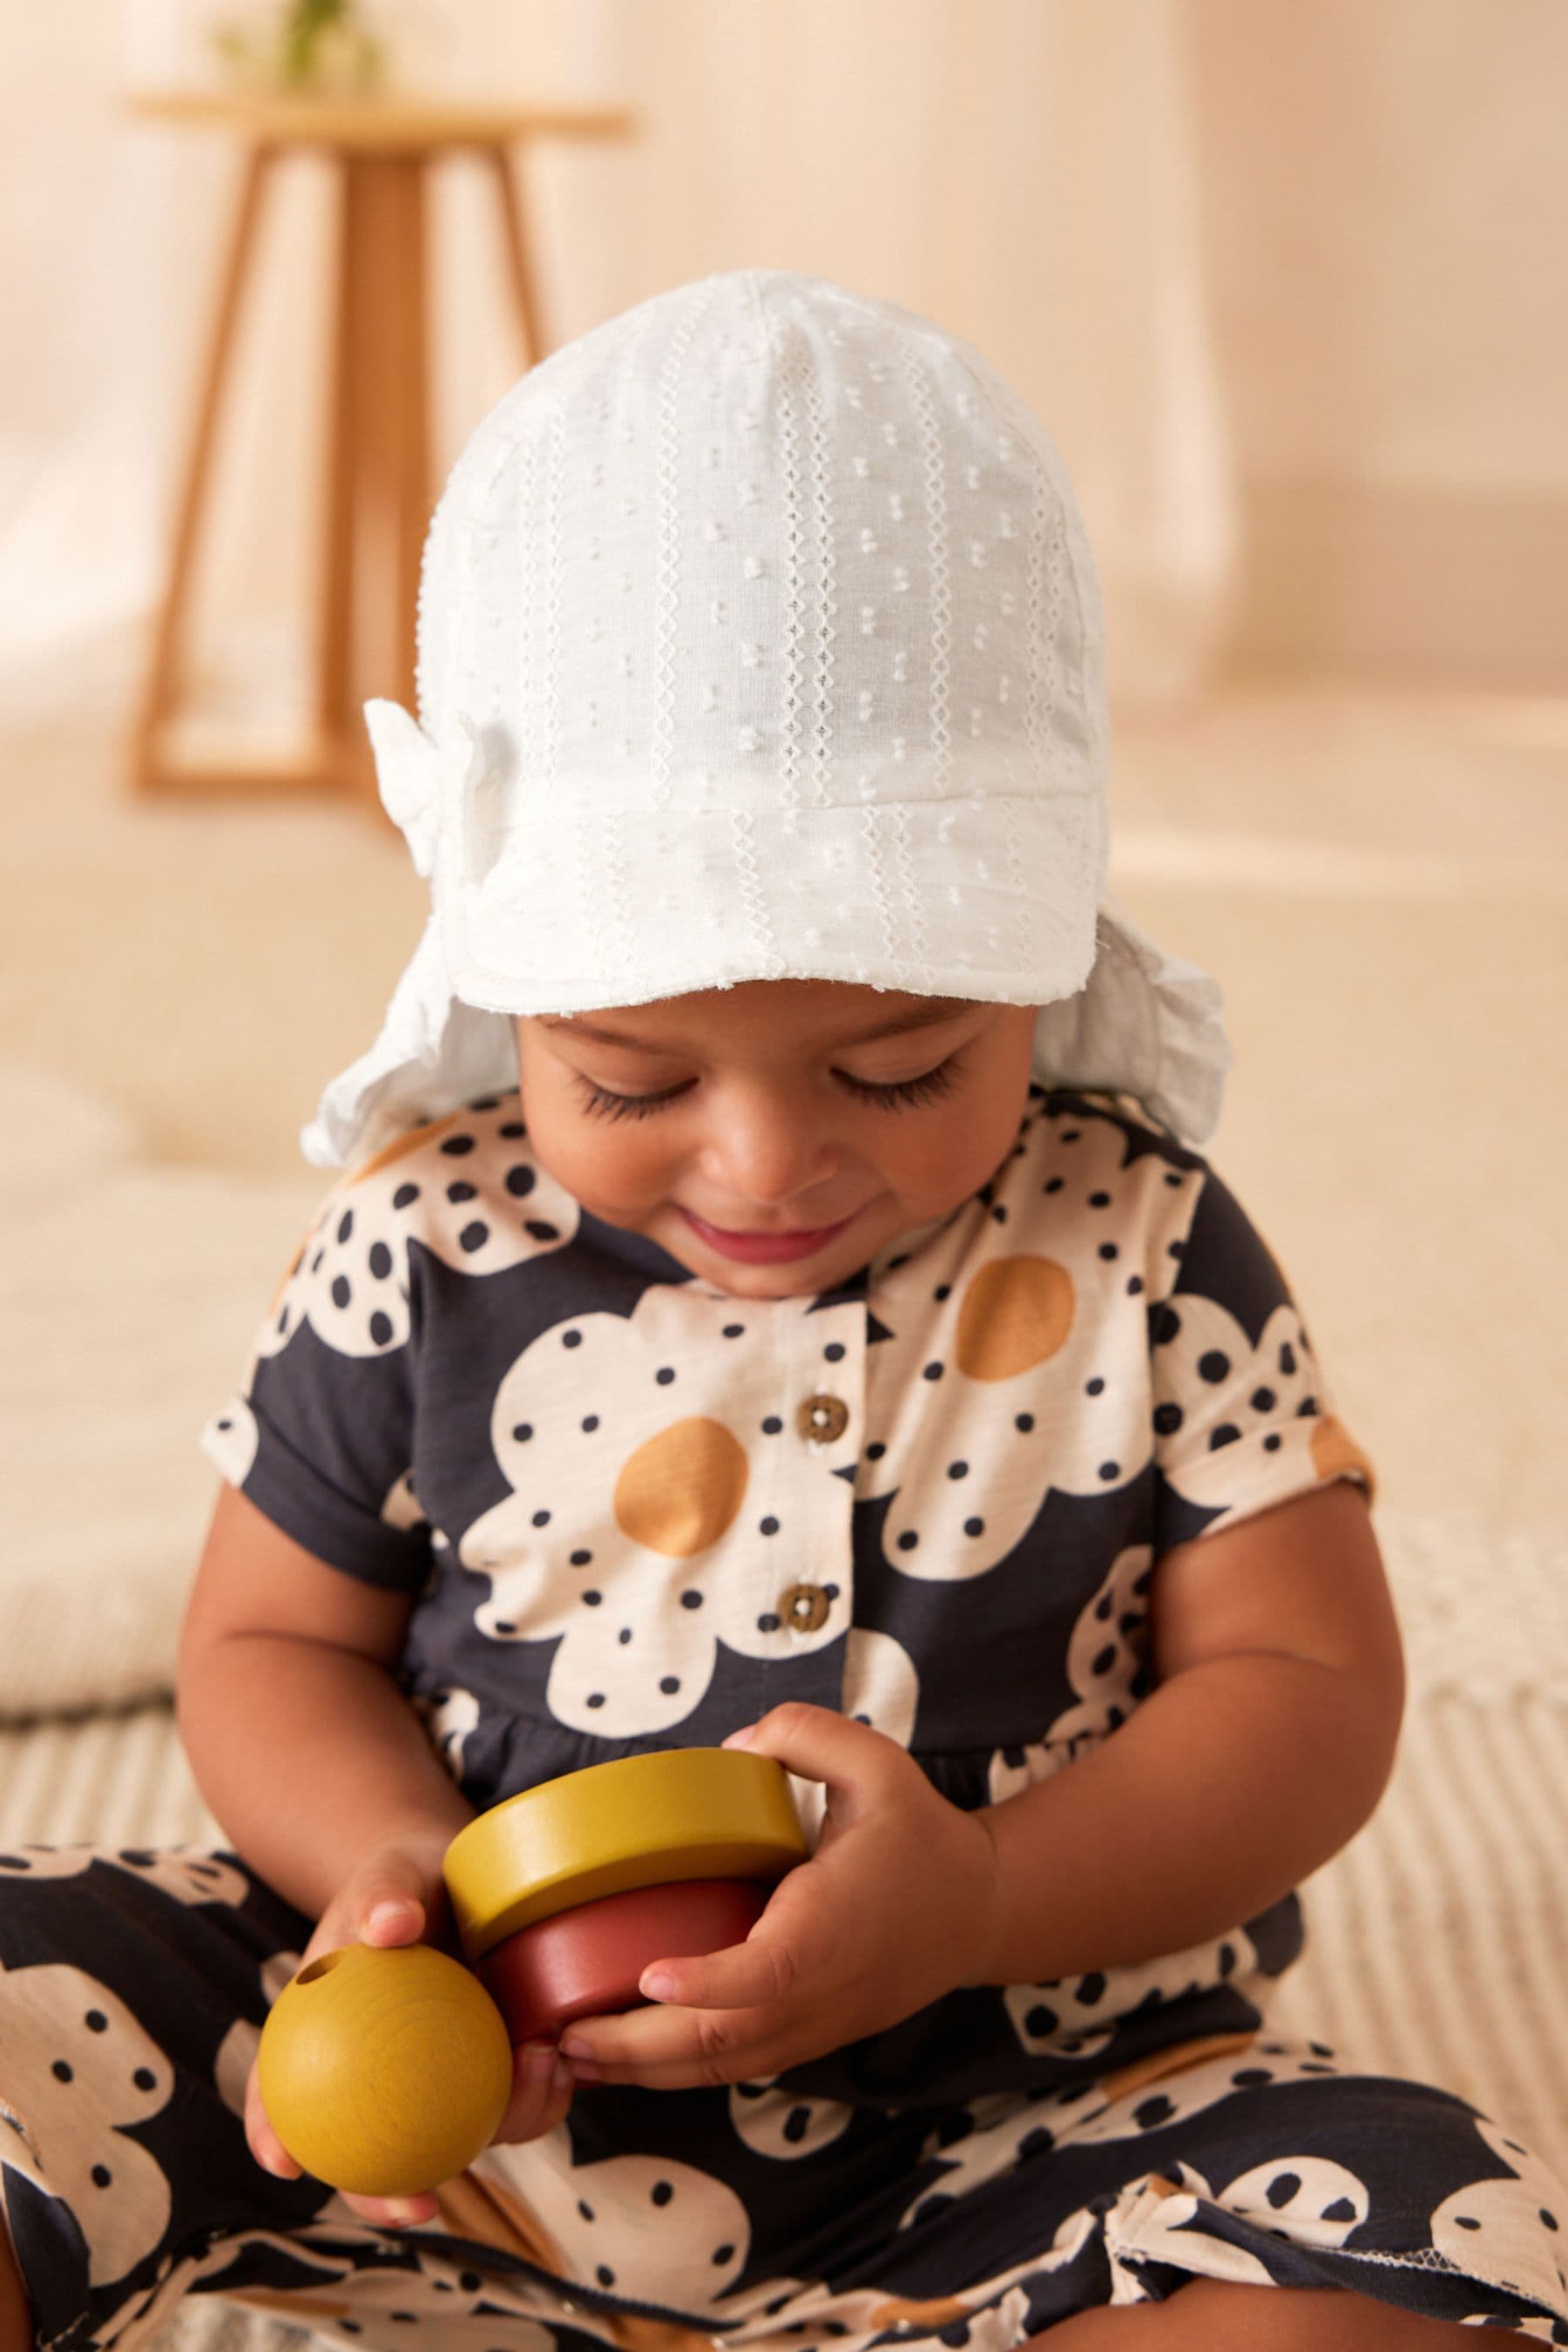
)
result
[(775, 1136)]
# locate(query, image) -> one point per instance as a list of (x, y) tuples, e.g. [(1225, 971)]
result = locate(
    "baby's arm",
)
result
[(301, 1742), (1263, 1748), (323, 1775)]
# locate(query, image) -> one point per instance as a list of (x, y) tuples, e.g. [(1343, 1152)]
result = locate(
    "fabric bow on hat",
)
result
[(409, 770)]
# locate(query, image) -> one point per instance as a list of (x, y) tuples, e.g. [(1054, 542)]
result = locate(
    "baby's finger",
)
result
[(393, 2212), (744, 2061), (388, 1911), (702, 2043), (262, 2141), (542, 2086), (740, 1976), (388, 1901)]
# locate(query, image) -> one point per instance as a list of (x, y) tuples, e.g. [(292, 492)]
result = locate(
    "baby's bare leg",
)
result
[(16, 2317), (1211, 2315)]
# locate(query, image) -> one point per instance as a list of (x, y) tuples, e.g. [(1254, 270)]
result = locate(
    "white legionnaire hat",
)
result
[(760, 638)]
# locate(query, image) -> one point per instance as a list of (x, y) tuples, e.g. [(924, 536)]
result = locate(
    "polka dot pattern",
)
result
[(57, 2014), (1076, 2017), (1182, 2081), (783, 2125), (350, 1279), (230, 1440), (1107, 1661), (1317, 2199), (1238, 1421), (996, 1346), (682, 2234), (1477, 2226)]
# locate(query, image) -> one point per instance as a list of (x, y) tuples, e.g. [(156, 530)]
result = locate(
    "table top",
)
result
[(399, 120)]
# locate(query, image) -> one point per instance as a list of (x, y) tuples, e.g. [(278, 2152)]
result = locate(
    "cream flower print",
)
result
[(1002, 2128), (1310, 2198), (464, 1187), (231, 1438), (401, 1506), (881, 1686), (1106, 1662), (186, 1874), (647, 2227), (785, 2124), (989, 1391), (1158, 2219), (1477, 2227), (449, 1716), (63, 2018), (232, 2065), (1183, 2080), (700, 1512), (1217, 1392), (1076, 2015)]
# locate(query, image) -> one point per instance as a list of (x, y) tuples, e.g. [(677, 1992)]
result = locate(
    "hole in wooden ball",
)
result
[(319, 1967)]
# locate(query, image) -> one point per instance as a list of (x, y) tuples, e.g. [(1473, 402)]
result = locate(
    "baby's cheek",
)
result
[(614, 1167), (959, 1154)]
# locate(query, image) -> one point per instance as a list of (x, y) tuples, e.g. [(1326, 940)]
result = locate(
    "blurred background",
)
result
[(1287, 287)]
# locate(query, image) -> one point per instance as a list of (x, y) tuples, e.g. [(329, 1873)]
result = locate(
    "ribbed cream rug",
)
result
[(1437, 1940)]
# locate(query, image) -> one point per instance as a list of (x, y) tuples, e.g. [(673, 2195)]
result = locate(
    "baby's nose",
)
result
[(773, 1161)]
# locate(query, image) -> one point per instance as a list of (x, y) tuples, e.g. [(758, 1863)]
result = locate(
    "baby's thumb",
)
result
[(391, 1903), (386, 1901)]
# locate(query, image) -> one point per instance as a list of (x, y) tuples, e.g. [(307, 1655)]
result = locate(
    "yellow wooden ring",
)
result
[(642, 1821)]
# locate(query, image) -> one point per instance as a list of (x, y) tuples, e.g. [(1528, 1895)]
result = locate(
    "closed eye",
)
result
[(905, 1093)]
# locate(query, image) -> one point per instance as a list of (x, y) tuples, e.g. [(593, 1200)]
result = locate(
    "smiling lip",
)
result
[(763, 1249)]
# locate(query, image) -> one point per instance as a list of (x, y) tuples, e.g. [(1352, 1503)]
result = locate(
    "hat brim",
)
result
[(989, 896), (1143, 1023)]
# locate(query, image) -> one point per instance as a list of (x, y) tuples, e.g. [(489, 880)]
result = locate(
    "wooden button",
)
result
[(822, 1419), (804, 1607)]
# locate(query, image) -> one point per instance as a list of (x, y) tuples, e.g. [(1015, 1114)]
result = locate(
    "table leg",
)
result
[(384, 300), (149, 770), (336, 719), (509, 193)]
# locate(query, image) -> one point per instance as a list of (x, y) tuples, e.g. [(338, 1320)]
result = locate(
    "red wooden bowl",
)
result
[(585, 1962)]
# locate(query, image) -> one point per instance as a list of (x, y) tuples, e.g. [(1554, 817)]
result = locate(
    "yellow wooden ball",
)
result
[(385, 2068)]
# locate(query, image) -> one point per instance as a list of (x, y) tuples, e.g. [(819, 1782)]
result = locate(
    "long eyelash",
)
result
[(906, 1094), (603, 1104), (926, 1089)]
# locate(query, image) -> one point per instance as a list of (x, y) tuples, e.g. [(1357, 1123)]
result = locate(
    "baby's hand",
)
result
[(396, 1895), (899, 1905)]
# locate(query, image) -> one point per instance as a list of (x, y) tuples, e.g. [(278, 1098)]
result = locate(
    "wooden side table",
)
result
[(377, 495)]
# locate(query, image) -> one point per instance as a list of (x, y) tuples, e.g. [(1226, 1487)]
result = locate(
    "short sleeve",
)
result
[(1243, 1416), (320, 1436)]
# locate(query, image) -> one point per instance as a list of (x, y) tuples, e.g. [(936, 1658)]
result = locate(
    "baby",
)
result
[(775, 1300)]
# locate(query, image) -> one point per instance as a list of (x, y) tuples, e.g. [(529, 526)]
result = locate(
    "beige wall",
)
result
[(1385, 190), (1383, 208)]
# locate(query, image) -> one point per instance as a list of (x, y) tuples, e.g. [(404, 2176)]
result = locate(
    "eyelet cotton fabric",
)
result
[(631, 1511), (759, 637)]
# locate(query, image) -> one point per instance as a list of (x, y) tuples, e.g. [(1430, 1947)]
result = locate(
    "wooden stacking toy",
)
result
[(563, 1895), (385, 2068)]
